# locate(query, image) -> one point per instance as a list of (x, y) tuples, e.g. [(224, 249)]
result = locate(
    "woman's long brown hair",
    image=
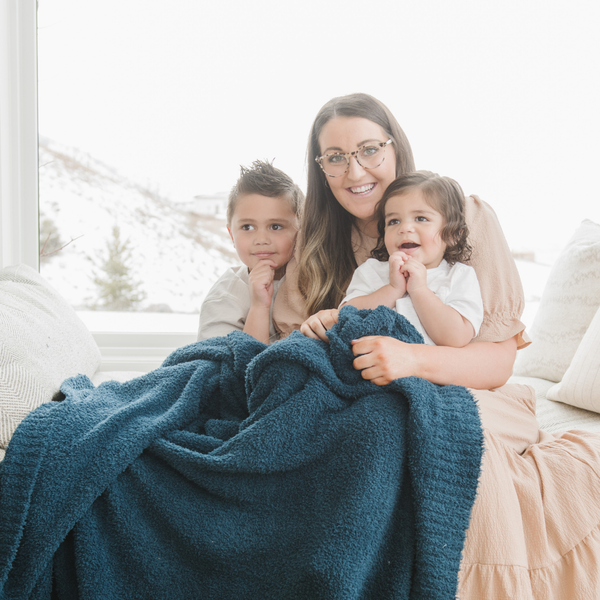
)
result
[(327, 262)]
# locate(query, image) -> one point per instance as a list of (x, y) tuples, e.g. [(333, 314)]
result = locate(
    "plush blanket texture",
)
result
[(239, 470)]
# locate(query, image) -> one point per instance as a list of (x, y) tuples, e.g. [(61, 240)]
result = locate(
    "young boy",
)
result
[(262, 219)]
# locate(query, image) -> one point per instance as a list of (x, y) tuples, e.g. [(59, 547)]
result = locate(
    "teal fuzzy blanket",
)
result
[(244, 471)]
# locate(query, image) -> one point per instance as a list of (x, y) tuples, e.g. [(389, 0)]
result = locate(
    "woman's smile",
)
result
[(363, 190)]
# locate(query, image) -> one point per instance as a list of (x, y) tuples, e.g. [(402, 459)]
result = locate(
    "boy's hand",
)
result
[(261, 283), (316, 325), (397, 277), (415, 273)]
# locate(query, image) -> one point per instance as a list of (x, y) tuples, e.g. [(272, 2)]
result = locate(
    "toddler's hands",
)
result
[(316, 325), (415, 273), (261, 283), (397, 277)]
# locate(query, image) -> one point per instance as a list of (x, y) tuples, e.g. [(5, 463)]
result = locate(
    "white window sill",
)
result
[(138, 351), (138, 341)]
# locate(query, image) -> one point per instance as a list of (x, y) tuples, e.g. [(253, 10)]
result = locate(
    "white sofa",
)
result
[(563, 362), (43, 341)]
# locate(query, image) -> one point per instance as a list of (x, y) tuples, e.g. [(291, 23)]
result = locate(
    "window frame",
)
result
[(19, 220), (19, 191)]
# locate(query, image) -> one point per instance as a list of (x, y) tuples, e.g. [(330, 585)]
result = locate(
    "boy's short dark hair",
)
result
[(444, 195), (266, 180)]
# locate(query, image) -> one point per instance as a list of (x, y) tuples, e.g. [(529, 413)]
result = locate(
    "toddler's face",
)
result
[(414, 227), (263, 228)]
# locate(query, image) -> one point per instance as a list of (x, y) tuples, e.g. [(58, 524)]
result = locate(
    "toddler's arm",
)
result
[(443, 324), (387, 294)]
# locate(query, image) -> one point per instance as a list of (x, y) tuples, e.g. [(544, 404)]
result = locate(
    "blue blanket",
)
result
[(239, 470)]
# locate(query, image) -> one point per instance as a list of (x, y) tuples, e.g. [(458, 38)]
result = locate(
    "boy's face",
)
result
[(414, 227), (263, 228)]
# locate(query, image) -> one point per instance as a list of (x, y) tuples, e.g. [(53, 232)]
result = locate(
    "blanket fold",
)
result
[(239, 470)]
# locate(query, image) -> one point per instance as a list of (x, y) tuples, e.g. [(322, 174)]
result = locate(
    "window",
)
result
[(127, 253), (503, 104)]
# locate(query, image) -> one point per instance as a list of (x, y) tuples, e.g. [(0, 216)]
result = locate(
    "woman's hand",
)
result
[(382, 359), (479, 365), (317, 325)]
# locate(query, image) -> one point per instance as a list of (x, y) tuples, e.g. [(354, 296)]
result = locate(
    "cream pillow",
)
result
[(42, 342), (569, 302), (581, 384)]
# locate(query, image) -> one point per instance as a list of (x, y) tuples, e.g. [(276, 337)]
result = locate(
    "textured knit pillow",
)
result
[(42, 342), (581, 384), (569, 302)]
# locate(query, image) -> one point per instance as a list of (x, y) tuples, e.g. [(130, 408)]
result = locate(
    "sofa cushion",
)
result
[(580, 385), (42, 342), (570, 300), (556, 417)]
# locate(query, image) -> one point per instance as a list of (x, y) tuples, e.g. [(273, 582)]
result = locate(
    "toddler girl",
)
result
[(416, 268)]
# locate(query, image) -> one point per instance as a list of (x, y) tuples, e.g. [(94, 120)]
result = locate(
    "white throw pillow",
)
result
[(569, 302), (581, 384), (42, 342)]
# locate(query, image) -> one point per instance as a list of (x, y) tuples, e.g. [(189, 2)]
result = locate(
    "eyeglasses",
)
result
[(369, 156)]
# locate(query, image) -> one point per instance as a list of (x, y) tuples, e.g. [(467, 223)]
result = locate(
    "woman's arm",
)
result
[(479, 365)]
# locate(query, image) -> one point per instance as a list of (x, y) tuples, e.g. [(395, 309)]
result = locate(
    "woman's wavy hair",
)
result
[(326, 260), (443, 195)]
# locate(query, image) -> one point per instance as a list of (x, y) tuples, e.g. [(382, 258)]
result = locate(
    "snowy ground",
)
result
[(533, 276)]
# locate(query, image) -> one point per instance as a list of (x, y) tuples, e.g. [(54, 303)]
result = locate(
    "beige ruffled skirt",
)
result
[(535, 526)]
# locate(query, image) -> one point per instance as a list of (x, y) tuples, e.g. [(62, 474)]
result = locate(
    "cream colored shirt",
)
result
[(226, 305), (501, 289)]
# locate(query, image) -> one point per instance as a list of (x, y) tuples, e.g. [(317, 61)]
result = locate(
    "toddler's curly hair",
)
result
[(445, 196)]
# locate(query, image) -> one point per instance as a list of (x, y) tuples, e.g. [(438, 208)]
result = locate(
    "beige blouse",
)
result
[(501, 289)]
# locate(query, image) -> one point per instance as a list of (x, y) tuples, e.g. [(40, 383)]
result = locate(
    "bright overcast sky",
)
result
[(502, 96)]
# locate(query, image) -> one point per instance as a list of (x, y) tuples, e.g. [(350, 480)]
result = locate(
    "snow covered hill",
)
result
[(176, 254)]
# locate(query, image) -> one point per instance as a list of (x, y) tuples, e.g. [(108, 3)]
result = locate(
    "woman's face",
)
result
[(358, 190)]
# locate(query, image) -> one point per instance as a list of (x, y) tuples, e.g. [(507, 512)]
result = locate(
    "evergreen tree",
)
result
[(50, 240), (117, 289)]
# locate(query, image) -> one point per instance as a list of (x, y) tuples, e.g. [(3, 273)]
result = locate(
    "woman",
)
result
[(530, 535), (339, 232)]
